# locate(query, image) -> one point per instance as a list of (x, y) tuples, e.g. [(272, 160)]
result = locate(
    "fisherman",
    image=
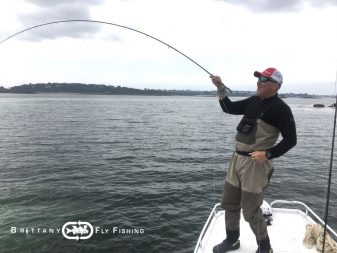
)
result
[(265, 115)]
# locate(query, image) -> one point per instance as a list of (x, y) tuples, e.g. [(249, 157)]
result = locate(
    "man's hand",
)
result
[(259, 156), (216, 81), (222, 90)]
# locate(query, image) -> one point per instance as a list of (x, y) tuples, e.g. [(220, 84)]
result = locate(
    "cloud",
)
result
[(50, 11), (49, 3), (280, 6)]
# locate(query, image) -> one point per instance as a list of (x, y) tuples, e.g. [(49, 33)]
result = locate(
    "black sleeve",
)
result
[(286, 124), (236, 107)]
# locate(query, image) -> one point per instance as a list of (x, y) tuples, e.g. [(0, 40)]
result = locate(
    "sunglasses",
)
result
[(264, 79)]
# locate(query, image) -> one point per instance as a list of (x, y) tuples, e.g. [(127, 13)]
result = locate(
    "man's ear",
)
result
[(277, 86)]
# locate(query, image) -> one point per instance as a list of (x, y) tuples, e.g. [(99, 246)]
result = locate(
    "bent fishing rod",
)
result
[(113, 24)]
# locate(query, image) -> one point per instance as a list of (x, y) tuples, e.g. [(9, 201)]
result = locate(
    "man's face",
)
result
[(266, 87)]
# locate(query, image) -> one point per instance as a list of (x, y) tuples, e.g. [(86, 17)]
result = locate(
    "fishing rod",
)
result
[(330, 170), (113, 24)]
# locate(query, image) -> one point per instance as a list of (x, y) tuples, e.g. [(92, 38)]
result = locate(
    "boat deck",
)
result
[(286, 232)]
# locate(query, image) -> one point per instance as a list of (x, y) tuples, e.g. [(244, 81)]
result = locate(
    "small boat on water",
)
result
[(287, 228)]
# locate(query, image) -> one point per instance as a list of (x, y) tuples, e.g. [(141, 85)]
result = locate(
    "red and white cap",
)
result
[(271, 73)]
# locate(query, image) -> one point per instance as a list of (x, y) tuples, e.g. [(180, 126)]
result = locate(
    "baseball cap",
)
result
[(271, 73)]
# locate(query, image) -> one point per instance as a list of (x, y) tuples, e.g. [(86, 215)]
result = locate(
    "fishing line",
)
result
[(330, 171), (113, 24)]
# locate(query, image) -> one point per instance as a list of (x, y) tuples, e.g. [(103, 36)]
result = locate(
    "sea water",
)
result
[(141, 173)]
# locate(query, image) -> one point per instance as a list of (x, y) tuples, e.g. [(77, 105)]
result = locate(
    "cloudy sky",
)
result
[(228, 38)]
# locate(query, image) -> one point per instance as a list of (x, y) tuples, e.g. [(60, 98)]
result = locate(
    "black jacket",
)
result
[(273, 111)]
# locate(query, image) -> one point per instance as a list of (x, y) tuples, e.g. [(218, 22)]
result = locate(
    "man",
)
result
[(264, 117)]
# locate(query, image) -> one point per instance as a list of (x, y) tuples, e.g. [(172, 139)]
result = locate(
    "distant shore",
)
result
[(101, 89)]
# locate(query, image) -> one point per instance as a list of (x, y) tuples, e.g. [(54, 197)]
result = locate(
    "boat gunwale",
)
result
[(204, 229)]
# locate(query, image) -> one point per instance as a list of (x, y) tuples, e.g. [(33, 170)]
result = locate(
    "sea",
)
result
[(104, 173)]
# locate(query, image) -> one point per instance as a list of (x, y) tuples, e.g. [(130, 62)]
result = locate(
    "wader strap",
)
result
[(242, 153)]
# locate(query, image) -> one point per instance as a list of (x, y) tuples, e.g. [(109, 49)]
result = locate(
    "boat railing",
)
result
[(204, 229), (309, 212)]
